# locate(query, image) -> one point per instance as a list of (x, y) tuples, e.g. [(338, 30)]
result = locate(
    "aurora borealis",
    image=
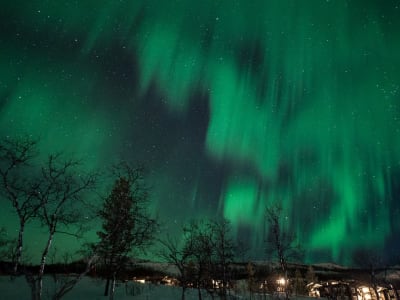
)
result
[(231, 105)]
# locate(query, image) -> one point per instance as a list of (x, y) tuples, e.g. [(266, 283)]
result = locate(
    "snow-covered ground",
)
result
[(330, 266), (92, 289)]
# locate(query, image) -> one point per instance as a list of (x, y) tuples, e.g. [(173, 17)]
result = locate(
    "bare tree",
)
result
[(174, 254), (204, 256), (281, 242), (17, 185), (127, 225), (61, 190), (224, 253), (51, 193), (199, 248)]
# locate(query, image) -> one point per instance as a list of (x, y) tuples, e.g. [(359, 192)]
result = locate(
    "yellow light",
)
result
[(281, 281), (139, 280)]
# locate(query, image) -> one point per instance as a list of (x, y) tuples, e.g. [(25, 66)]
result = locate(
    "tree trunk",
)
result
[(18, 253), (183, 293), (69, 285), (113, 287), (32, 284), (34, 294), (107, 286), (43, 262)]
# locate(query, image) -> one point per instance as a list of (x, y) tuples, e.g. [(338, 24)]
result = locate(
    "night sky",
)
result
[(231, 104)]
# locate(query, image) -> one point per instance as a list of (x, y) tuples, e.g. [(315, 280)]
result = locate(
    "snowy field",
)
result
[(92, 289)]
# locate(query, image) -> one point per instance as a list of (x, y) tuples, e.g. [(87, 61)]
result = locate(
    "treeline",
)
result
[(56, 193), (60, 194)]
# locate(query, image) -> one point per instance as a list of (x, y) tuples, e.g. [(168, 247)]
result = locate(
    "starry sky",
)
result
[(231, 104)]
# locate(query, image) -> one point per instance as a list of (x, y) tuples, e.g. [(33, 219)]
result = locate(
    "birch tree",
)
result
[(173, 253), (281, 241), (18, 186), (61, 193), (208, 245), (224, 248)]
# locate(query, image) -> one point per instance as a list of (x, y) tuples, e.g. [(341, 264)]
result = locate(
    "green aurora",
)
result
[(232, 105)]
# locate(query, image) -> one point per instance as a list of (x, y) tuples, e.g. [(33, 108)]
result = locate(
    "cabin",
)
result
[(352, 290)]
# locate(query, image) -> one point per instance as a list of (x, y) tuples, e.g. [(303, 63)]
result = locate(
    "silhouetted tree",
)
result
[(281, 242), (18, 185), (51, 193), (204, 256), (198, 246), (127, 224), (224, 253), (174, 254), (60, 192)]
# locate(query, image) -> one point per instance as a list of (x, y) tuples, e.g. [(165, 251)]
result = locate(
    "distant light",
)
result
[(281, 281), (139, 280)]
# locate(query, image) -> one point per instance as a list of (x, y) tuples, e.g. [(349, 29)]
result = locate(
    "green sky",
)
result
[(232, 105)]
